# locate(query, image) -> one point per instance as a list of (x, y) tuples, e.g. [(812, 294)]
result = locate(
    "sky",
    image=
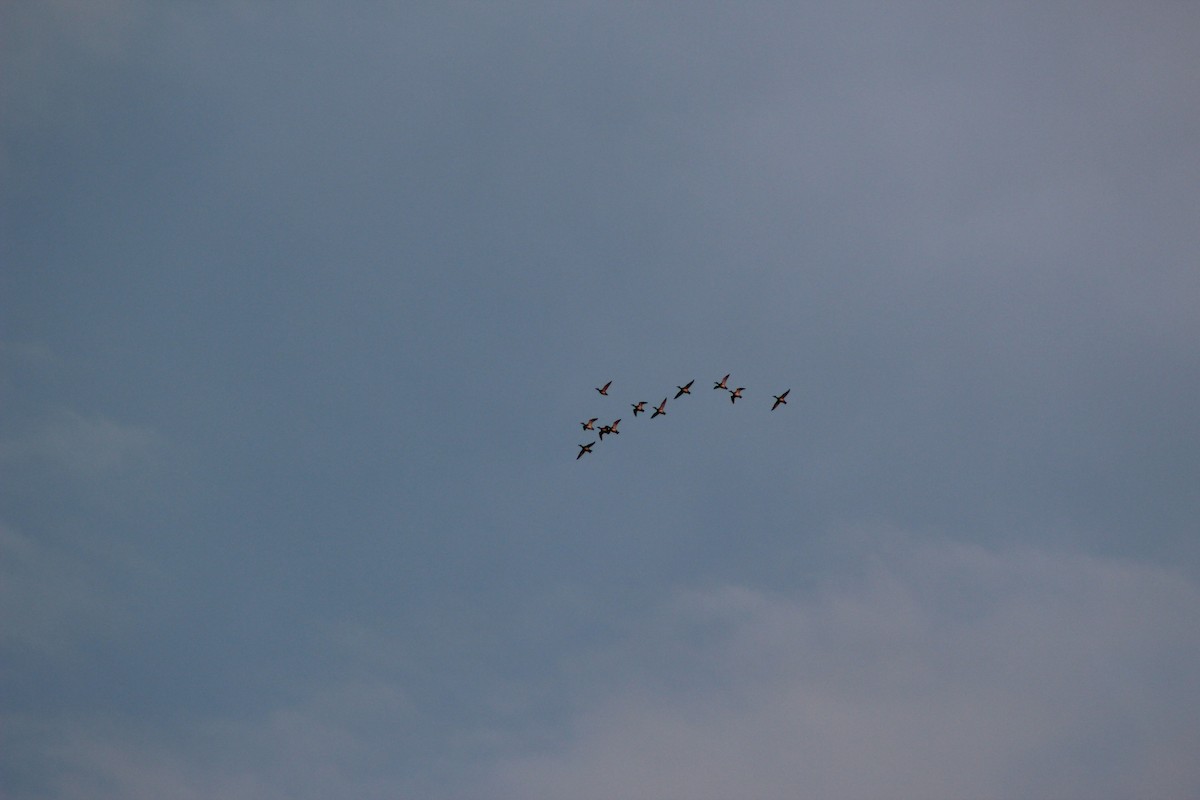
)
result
[(301, 306)]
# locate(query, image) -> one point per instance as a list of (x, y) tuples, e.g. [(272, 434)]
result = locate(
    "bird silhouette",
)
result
[(684, 389), (604, 389), (734, 394), (779, 399), (721, 384), (584, 448), (662, 409), (639, 408), (590, 425), (610, 429)]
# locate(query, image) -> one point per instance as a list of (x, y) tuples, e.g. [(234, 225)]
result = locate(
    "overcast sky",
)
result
[(301, 306)]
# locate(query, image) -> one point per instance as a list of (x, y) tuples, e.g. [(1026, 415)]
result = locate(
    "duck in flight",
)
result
[(584, 448), (721, 384), (610, 429), (684, 389), (780, 399), (662, 409), (604, 389), (734, 394), (639, 408), (590, 425)]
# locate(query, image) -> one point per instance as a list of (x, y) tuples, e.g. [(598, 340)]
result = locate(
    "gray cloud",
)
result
[(326, 293), (938, 671), (49, 598), (925, 670), (91, 446), (320, 745)]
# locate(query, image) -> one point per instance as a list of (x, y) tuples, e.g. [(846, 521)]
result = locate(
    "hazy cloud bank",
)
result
[(938, 672), (934, 671)]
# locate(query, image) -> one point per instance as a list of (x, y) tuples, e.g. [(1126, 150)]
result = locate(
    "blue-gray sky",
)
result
[(301, 306)]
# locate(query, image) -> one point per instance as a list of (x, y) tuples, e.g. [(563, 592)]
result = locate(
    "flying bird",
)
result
[(584, 448), (734, 394), (779, 399), (610, 429), (721, 384), (590, 425), (604, 389), (684, 389), (662, 409), (639, 408)]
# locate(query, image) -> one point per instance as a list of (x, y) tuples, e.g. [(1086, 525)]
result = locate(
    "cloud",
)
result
[(300, 241), (85, 445), (44, 46), (60, 591), (321, 745), (65, 575), (939, 671), (47, 596), (929, 671)]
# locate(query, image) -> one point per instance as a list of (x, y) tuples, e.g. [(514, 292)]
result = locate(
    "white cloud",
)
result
[(939, 672)]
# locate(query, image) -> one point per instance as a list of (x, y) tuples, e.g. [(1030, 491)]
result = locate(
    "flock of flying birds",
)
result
[(661, 408)]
